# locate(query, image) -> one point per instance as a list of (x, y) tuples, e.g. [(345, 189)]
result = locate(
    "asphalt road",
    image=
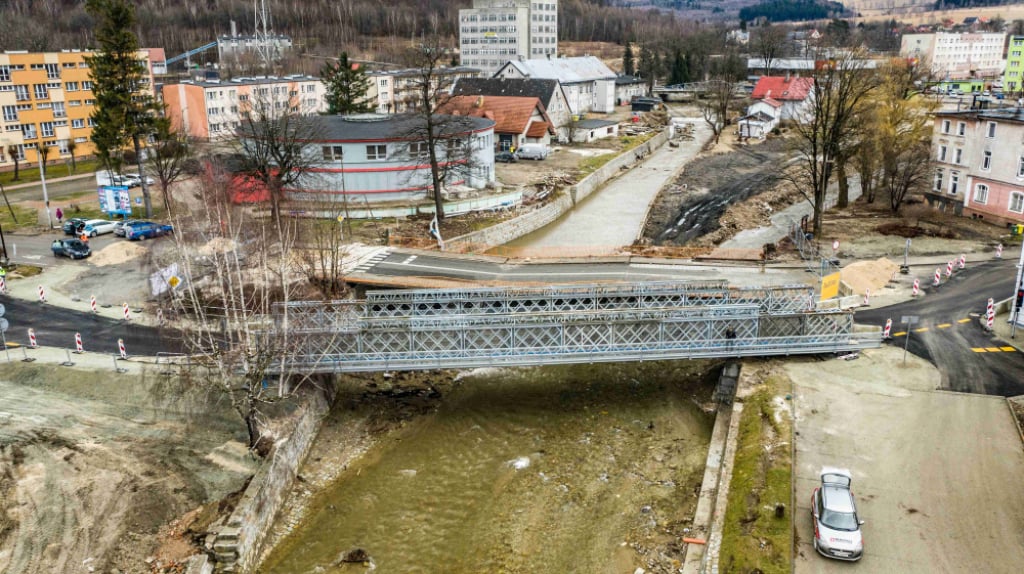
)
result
[(950, 334), (54, 189), (35, 249)]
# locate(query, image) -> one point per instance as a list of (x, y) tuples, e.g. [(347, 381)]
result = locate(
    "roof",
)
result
[(565, 70), (594, 124), (625, 80), (417, 71), (155, 54), (250, 81), (757, 117), (511, 114), (522, 87), (1013, 114), (379, 127), (538, 129), (771, 102), (793, 89)]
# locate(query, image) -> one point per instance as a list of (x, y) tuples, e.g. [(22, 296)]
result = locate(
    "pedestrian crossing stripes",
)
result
[(371, 262)]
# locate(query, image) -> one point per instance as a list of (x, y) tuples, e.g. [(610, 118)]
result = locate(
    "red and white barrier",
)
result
[(938, 277), (121, 349), (990, 314), (886, 333), (949, 269), (78, 343), (963, 261), (917, 288), (999, 251), (127, 313), (3, 285), (32, 339), (867, 297), (160, 317), (42, 294), (92, 304)]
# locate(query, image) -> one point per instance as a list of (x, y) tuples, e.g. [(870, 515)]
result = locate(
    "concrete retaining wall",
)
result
[(527, 223), (237, 545)]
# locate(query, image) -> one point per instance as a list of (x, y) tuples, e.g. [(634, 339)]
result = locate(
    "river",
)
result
[(580, 468), (612, 217)]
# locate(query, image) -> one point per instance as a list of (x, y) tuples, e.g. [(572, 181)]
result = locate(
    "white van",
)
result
[(533, 151), (108, 178)]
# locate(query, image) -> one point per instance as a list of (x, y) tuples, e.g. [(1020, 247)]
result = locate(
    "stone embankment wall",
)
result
[(529, 222)]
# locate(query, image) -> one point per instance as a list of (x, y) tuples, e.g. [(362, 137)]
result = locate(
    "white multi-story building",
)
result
[(398, 91), (493, 32), (957, 56), (588, 83)]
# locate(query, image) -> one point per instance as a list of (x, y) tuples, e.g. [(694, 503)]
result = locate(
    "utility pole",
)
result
[(46, 198), (1014, 312)]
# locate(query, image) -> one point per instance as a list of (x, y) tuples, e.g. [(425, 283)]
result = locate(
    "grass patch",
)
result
[(592, 163), (26, 217), (753, 539), (29, 173)]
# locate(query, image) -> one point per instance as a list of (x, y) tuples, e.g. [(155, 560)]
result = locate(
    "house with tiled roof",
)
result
[(793, 93), (588, 82), (517, 120), (550, 93), (762, 117)]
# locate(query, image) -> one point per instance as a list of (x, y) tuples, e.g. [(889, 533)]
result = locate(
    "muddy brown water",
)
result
[(582, 468)]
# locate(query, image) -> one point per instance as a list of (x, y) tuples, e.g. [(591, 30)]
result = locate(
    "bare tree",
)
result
[(72, 148), (715, 104), (824, 125), (12, 150), (171, 152), (44, 154), (769, 43)]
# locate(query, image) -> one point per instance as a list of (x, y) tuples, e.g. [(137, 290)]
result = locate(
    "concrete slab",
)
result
[(936, 474)]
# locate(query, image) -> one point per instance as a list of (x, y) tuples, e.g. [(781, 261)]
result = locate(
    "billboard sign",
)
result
[(115, 200)]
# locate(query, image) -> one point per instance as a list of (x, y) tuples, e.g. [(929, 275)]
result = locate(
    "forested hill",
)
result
[(316, 25)]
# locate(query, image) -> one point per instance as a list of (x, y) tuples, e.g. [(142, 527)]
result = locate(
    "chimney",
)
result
[(787, 76)]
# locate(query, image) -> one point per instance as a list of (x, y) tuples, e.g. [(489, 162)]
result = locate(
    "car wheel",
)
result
[(142, 237)]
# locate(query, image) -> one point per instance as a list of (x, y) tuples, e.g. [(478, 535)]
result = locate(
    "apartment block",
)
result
[(979, 164), (957, 56), (396, 91), (493, 32), (46, 100), (214, 109), (1013, 78)]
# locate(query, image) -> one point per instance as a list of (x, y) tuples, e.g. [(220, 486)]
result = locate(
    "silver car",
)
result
[(836, 525)]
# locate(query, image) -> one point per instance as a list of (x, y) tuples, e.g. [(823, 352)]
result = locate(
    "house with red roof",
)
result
[(793, 93), (518, 120), (762, 117)]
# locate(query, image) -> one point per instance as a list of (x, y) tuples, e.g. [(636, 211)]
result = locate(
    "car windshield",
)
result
[(839, 520)]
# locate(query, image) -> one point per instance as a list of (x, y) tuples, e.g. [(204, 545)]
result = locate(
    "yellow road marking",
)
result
[(13, 345), (944, 326), (900, 334), (1008, 349), (963, 320), (992, 349), (978, 349), (921, 330)]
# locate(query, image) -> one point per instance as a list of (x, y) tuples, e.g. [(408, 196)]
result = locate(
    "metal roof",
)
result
[(565, 70)]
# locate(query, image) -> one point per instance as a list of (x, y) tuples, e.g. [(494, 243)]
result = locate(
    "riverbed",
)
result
[(580, 468)]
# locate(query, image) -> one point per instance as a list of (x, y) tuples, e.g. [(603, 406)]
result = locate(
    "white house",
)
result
[(793, 93), (588, 83)]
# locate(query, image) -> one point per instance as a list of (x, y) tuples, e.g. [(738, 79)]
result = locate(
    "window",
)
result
[(991, 130), (376, 152), (46, 128), (986, 160), (417, 149), (945, 126), (58, 110), (86, 85), (28, 131), (1017, 202), (71, 86), (5, 73), (942, 153), (938, 180), (62, 147), (1020, 167), (10, 113), (78, 123), (333, 153), (41, 92), (981, 193), (74, 103), (961, 128), (954, 182), (53, 71), (958, 155), (21, 93)]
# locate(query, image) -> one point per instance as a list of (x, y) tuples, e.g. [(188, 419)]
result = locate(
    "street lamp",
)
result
[(42, 178), (1014, 312)]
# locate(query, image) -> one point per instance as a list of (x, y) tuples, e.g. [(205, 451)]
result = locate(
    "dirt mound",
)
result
[(117, 253), (873, 275), (217, 245)]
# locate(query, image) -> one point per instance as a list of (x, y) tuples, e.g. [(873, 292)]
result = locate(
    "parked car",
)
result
[(836, 525), (136, 181), (73, 248), (95, 227), (110, 178), (505, 157), (71, 225), (147, 230), (533, 151), (121, 227)]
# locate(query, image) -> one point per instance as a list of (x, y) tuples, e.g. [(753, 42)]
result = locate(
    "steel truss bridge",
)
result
[(459, 328)]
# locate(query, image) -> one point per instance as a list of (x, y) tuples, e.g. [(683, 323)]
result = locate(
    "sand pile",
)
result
[(873, 275), (117, 253), (217, 245)]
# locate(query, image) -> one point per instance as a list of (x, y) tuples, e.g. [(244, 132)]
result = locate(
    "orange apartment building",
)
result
[(46, 99), (214, 109)]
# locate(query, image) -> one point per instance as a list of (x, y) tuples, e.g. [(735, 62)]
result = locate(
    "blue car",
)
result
[(146, 230)]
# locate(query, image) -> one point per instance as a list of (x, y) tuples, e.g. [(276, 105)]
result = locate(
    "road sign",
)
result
[(4, 325), (174, 281), (341, 218), (2, 309), (835, 245), (909, 319)]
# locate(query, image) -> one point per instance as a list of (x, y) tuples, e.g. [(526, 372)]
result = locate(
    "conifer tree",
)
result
[(347, 87), (628, 63)]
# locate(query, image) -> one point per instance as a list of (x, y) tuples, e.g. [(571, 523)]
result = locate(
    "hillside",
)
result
[(317, 26)]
